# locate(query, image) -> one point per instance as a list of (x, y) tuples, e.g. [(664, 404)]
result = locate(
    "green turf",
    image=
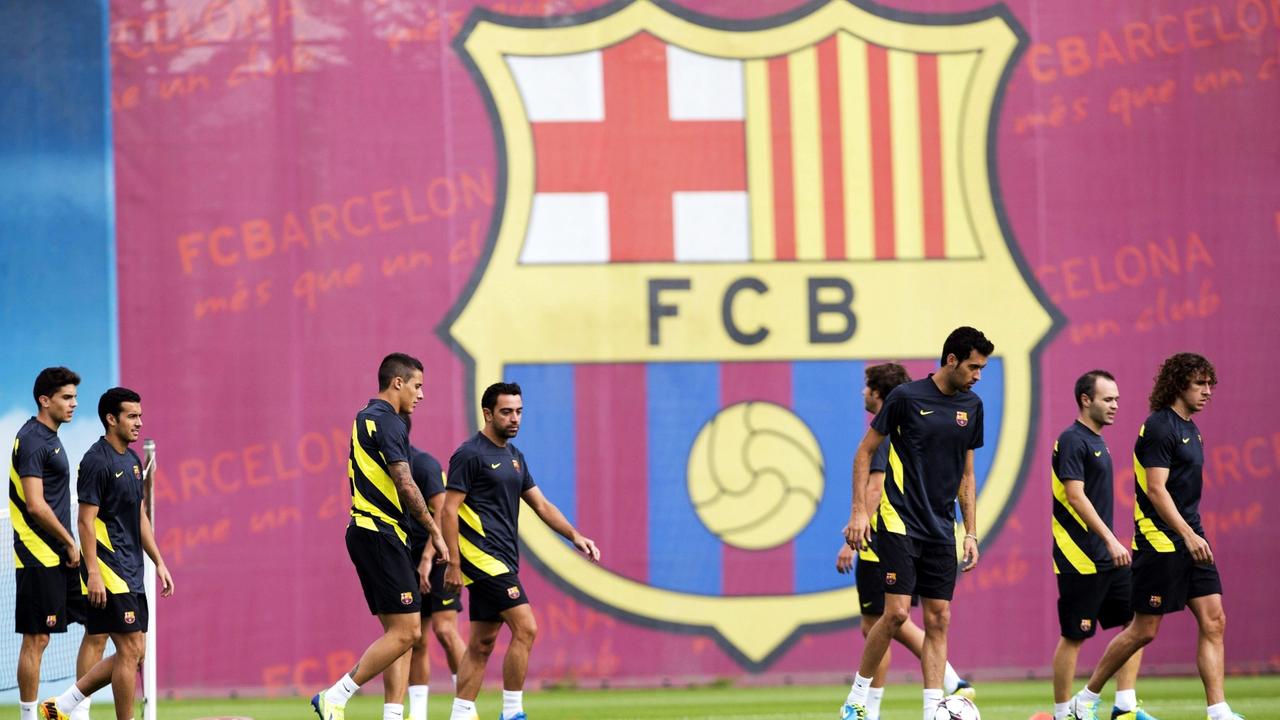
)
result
[(1168, 698)]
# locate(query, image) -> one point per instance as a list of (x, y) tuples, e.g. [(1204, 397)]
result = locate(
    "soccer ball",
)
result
[(956, 707)]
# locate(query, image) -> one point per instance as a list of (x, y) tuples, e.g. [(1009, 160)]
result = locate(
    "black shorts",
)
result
[(124, 613), (387, 576), (490, 596), (48, 598), (1164, 582), (871, 587), (915, 567), (1087, 601), (437, 600)]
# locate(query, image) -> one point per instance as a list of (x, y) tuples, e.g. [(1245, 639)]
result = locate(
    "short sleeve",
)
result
[(392, 439), (880, 461), (1068, 460), (462, 470), (975, 441), (91, 478), (30, 458), (1155, 446), (890, 411)]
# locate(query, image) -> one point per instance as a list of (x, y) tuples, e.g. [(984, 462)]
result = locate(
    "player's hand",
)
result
[(73, 555), (970, 554), (844, 559), (165, 579), (1120, 555), (441, 550), (587, 547), (858, 532), (453, 578), (1199, 548), (424, 571), (97, 591)]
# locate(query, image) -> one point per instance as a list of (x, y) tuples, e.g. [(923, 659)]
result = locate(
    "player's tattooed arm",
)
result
[(410, 496), (411, 499)]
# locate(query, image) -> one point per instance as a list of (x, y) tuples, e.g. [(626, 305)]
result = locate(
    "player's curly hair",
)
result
[(1176, 375), (886, 376)]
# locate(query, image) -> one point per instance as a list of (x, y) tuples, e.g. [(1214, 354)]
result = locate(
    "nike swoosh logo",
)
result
[(447, 602), (926, 412), (1098, 454), (1186, 440), (495, 466), (119, 473), (57, 450), (866, 604)]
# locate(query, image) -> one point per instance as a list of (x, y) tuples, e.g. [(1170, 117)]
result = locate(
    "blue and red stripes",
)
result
[(610, 445)]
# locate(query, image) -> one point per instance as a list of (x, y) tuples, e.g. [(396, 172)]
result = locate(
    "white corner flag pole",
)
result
[(150, 694)]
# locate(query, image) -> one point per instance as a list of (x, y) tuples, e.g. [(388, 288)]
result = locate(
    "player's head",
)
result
[(880, 380), (1098, 397), (120, 410), (55, 393), (502, 407), (964, 354), (400, 381), (1185, 382)]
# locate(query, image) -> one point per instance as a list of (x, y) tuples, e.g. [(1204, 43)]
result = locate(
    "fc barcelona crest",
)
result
[(962, 418), (717, 225)]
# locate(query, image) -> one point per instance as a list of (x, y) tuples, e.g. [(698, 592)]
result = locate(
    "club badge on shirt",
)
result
[(962, 418)]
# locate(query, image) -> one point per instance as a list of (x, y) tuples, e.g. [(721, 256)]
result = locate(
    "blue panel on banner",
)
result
[(683, 554), (547, 432), (828, 397)]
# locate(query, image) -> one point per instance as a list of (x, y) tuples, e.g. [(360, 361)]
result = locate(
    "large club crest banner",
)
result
[(726, 219), (686, 228)]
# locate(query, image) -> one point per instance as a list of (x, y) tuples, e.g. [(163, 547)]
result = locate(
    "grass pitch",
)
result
[(1258, 698)]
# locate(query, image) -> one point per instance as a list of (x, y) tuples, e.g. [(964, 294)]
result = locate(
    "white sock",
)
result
[(418, 702), (858, 691), (874, 696), (69, 699), (512, 703), (1221, 711), (1088, 696), (932, 696), (462, 710), (1061, 710), (341, 691), (392, 711), (1126, 700), (27, 710), (82, 710), (950, 679)]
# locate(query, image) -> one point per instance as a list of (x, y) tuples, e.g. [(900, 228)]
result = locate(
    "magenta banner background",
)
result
[(303, 187)]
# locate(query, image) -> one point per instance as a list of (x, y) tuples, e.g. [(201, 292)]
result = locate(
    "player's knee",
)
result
[(1143, 633), (1213, 624), (412, 635), (937, 619), (444, 635), (37, 642), (525, 632), (896, 616), (481, 646)]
